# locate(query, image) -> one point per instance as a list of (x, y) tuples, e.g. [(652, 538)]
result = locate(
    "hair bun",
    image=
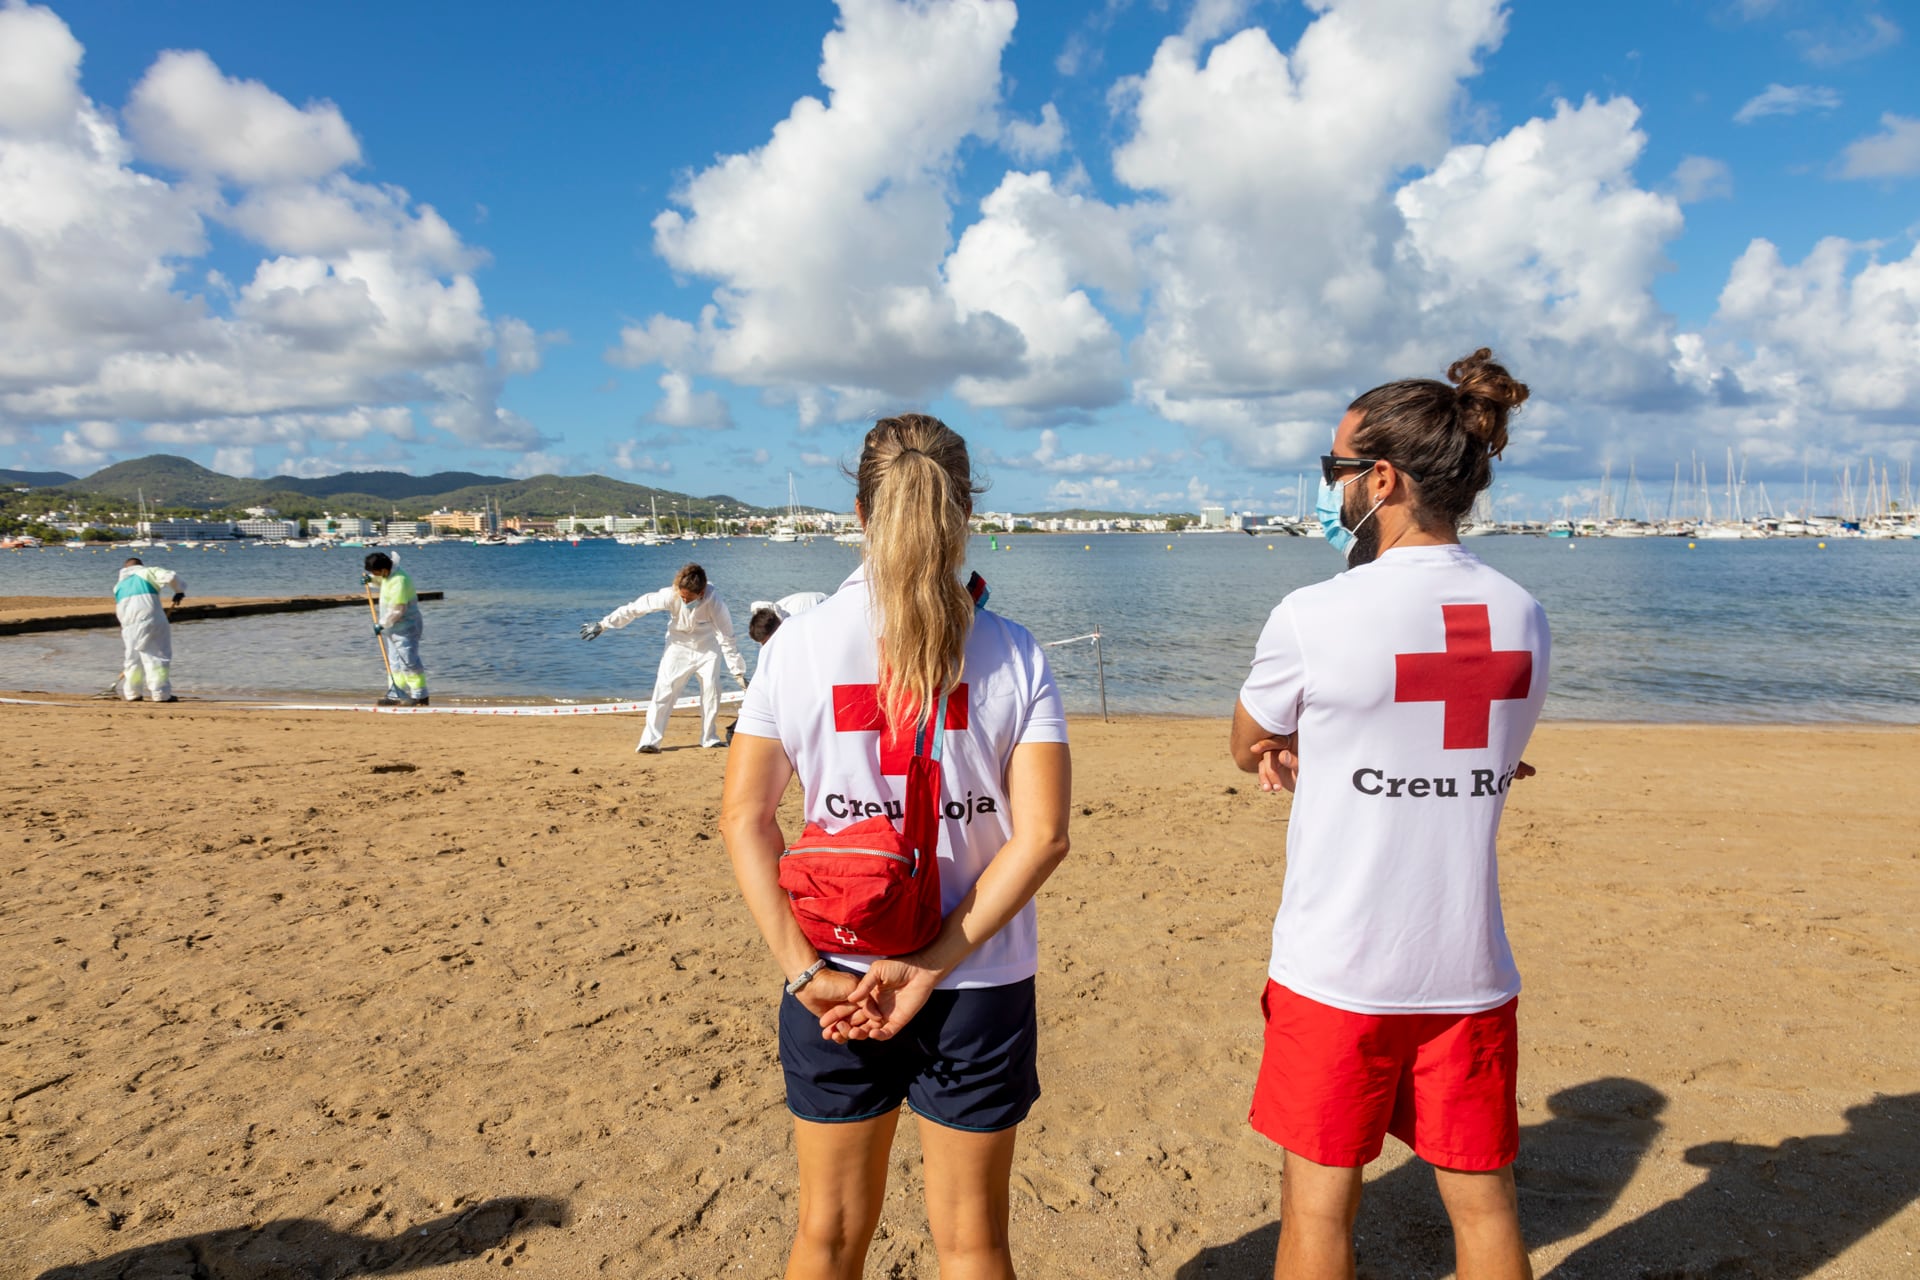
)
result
[(1487, 394)]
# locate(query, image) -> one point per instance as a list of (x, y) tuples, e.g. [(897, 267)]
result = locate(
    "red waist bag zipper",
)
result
[(872, 889)]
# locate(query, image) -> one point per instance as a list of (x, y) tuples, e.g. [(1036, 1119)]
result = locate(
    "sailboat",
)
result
[(645, 537), (144, 529), (787, 529), (489, 534)]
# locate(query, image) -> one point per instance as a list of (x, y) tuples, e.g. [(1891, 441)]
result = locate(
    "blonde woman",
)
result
[(951, 1027)]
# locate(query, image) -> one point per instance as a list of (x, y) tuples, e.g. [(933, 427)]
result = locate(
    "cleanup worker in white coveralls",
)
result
[(145, 630), (699, 635), (765, 616), (399, 626)]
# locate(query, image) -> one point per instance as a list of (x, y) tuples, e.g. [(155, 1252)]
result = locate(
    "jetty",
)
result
[(20, 615)]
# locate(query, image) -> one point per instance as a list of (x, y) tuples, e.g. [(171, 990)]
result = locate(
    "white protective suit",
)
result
[(139, 602), (787, 606), (699, 635)]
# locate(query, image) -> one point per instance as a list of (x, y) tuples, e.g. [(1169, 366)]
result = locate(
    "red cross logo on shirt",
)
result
[(856, 709), (1468, 678)]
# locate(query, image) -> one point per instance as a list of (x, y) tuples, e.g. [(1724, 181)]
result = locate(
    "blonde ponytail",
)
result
[(916, 491)]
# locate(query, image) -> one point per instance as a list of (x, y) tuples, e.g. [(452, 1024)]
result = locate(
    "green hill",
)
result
[(388, 486), (166, 481), (36, 479), (174, 483)]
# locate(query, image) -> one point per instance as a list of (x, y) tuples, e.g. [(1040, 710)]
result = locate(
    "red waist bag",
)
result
[(870, 889)]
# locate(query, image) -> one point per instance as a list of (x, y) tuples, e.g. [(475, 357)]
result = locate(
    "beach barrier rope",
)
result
[(572, 709), (1099, 660)]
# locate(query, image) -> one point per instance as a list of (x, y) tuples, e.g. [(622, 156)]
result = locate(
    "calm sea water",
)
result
[(1644, 629)]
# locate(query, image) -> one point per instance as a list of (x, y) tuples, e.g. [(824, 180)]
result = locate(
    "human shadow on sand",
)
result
[(1571, 1170), (302, 1249), (1782, 1212)]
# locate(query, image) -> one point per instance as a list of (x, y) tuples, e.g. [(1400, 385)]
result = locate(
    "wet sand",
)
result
[(298, 994)]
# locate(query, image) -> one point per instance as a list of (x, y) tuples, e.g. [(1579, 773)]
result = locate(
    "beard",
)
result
[(1366, 538)]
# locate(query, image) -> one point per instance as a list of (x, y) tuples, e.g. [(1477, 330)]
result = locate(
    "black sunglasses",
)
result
[(1331, 462)]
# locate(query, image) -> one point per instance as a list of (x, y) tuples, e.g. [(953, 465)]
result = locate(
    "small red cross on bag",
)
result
[(1467, 679)]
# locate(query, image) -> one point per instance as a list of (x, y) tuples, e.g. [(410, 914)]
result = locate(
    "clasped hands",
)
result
[(875, 1005)]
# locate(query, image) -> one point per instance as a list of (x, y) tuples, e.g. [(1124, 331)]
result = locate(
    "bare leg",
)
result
[(967, 1200), (1485, 1211), (843, 1182), (1318, 1204)]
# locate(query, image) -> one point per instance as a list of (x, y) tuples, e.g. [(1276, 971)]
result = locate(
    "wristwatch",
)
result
[(807, 975)]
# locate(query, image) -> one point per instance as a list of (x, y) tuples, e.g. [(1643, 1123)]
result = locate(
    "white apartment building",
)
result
[(332, 526), (186, 530), (268, 529)]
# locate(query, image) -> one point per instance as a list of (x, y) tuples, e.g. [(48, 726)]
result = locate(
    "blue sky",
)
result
[(1140, 253)]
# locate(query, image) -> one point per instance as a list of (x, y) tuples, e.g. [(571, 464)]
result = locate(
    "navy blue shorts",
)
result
[(966, 1061)]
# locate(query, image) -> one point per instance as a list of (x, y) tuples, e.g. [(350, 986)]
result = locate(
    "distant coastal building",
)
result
[(267, 529), (407, 529), (464, 522), (332, 526), (186, 530), (528, 524), (1213, 517)]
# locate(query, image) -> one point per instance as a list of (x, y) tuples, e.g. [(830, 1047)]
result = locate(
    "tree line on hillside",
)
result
[(173, 486)]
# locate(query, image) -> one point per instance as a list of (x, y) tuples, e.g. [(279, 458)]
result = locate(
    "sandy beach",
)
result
[(299, 994)]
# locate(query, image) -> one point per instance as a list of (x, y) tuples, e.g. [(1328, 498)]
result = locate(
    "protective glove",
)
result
[(588, 630), (366, 579), (378, 629), (178, 596)]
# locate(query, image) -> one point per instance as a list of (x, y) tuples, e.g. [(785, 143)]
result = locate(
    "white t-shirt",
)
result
[(1414, 683), (1008, 697)]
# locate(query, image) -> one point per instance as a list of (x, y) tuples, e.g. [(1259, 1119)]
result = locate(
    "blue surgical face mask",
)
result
[(1326, 506)]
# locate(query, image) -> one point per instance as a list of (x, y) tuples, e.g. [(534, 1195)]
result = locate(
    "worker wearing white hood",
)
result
[(699, 635), (765, 616), (145, 632)]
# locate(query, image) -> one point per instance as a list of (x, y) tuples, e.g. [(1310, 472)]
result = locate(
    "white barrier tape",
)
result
[(581, 709)]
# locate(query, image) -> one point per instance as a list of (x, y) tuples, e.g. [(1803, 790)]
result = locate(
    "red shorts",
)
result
[(1333, 1084)]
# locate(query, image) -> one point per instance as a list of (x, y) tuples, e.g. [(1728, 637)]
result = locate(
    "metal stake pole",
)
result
[(1100, 665)]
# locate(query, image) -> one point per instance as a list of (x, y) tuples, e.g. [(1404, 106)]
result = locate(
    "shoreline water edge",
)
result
[(1645, 629)]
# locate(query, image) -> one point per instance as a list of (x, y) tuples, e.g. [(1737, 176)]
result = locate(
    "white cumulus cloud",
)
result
[(680, 405), (827, 240), (360, 306), (1698, 178), (1826, 334), (1289, 226), (1048, 457), (185, 115), (631, 456), (1787, 100), (1894, 152), (1032, 141)]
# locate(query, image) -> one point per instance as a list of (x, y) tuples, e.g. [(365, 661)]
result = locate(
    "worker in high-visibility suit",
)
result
[(699, 635), (145, 632), (399, 626)]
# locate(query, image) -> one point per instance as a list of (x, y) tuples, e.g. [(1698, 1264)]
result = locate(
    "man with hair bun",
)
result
[(699, 636), (1395, 700)]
